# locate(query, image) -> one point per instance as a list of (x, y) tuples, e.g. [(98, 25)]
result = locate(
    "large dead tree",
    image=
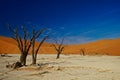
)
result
[(36, 34), (58, 47), (25, 42)]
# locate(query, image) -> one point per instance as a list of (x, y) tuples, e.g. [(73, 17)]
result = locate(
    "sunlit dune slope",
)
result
[(106, 47), (8, 45)]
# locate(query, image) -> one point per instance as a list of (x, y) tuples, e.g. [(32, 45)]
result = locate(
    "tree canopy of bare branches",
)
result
[(58, 47)]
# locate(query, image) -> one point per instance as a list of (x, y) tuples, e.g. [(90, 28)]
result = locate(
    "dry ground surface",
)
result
[(68, 67)]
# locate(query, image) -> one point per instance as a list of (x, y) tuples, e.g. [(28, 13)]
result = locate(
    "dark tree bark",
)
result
[(23, 58), (58, 55)]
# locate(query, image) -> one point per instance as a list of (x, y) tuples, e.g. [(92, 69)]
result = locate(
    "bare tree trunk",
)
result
[(58, 55), (23, 59), (33, 50), (33, 61)]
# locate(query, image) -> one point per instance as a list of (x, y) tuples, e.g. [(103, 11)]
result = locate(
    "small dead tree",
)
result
[(82, 51), (58, 47), (35, 35)]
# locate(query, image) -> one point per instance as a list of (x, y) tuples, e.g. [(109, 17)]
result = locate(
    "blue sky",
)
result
[(78, 21)]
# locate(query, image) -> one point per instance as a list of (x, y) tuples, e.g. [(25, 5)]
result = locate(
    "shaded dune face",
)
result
[(100, 47)]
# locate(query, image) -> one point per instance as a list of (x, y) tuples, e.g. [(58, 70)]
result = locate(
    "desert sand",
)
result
[(100, 47), (68, 67)]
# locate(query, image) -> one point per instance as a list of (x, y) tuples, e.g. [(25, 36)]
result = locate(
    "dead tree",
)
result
[(35, 35), (58, 47), (24, 43), (82, 51)]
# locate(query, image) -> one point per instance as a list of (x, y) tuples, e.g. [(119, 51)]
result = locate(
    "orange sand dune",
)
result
[(108, 47)]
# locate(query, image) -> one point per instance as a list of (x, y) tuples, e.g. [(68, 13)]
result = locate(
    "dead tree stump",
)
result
[(14, 65)]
